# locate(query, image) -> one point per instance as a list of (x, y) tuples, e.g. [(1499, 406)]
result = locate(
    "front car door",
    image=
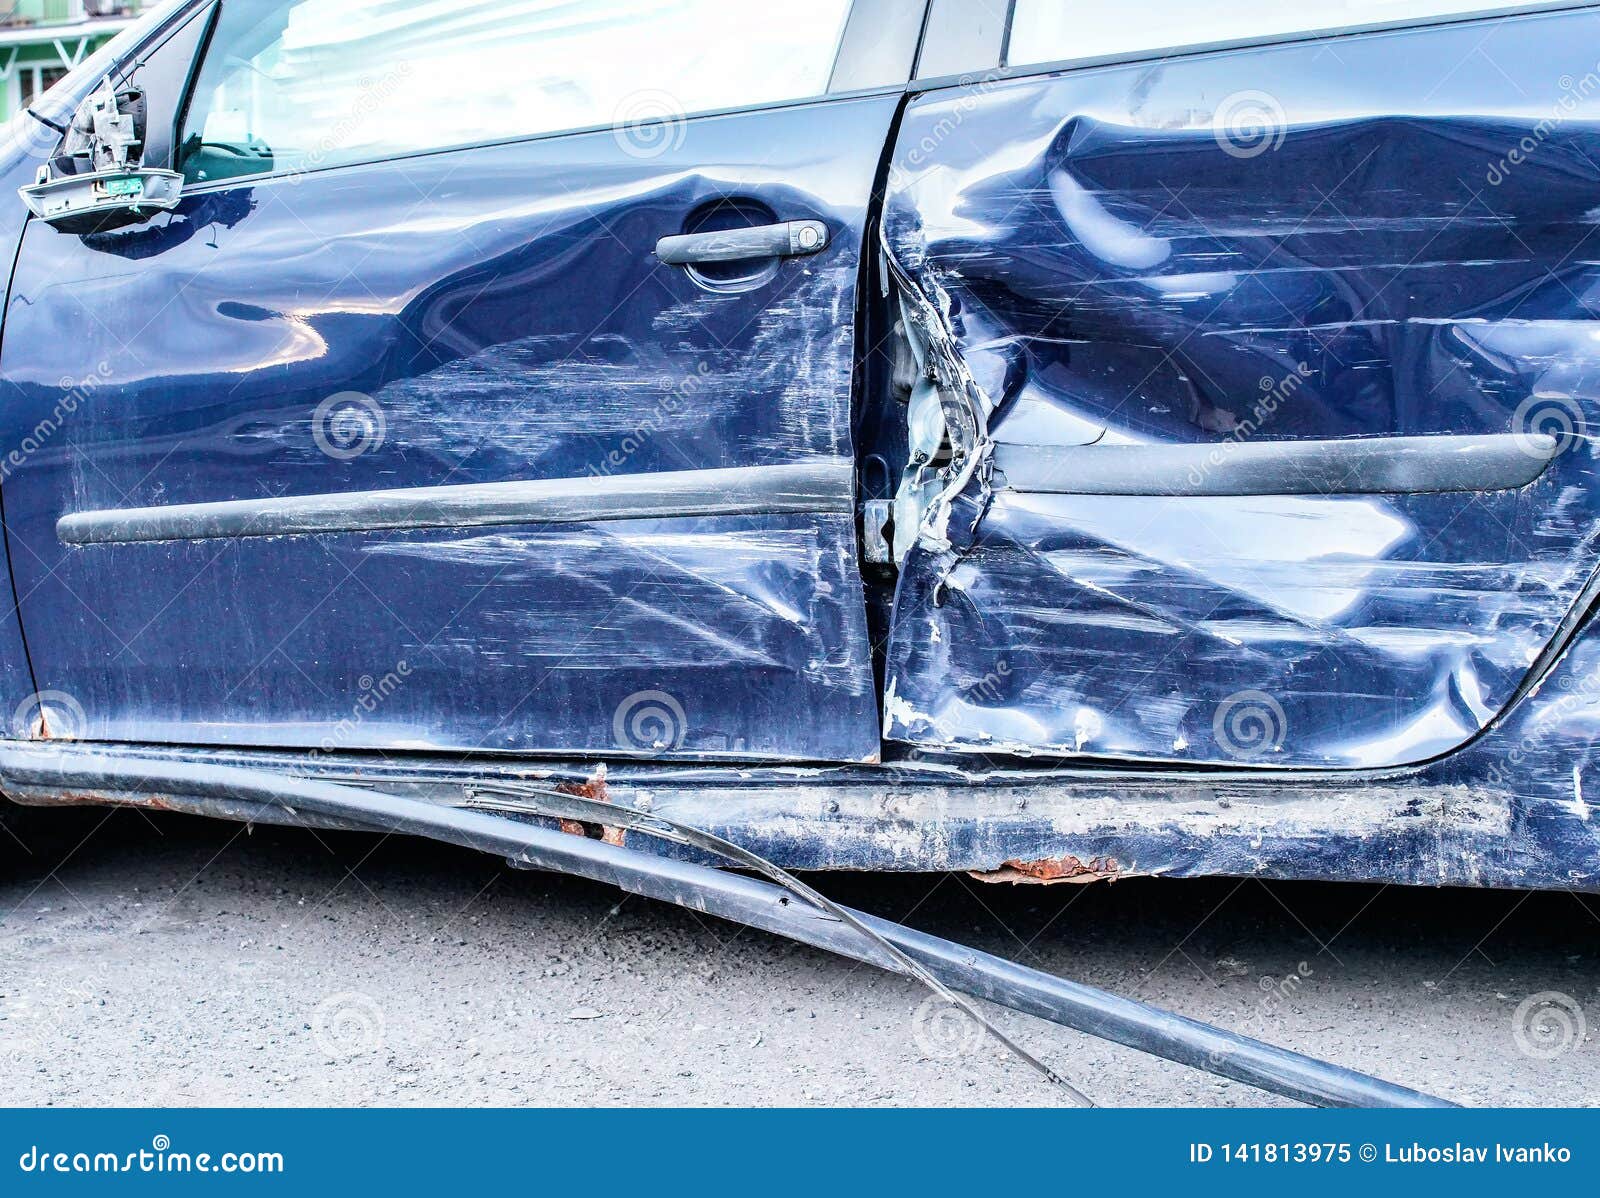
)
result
[(1279, 367), (397, 433)]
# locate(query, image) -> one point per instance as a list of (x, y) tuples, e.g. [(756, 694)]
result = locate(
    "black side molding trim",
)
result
[(826, 485), (1357, 466)]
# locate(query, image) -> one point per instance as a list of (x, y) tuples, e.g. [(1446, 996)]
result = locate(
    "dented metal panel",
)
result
[(483, 318), (1121, 266)]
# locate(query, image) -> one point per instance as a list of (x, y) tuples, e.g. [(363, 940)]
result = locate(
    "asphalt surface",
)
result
[(160, 960)]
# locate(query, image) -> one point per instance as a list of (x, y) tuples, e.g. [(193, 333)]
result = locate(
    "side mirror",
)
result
[(97, 181)]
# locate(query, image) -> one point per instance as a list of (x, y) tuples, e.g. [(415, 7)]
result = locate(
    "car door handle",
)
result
[(790, 239)]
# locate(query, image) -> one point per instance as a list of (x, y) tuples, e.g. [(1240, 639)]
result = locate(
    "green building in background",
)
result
[(41, 39)]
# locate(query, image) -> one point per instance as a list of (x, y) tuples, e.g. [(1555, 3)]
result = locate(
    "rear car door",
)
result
[(1281, 363), (399, 433)]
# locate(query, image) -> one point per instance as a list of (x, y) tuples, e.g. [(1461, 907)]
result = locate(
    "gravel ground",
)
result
[(166, 961)]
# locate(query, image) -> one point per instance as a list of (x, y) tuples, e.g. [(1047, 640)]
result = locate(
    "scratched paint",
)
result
[(1115, 269), (1106, 271), (499, 316), (620, 638)]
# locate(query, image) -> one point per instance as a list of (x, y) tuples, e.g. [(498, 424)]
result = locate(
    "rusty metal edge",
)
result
[(232, 791)]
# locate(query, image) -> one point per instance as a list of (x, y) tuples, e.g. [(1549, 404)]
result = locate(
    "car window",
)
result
[(1060, 30), (296, 84)]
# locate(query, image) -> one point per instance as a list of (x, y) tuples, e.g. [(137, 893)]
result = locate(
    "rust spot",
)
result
[(64, 798), (594, 788), (90, 798), (1052, 870)]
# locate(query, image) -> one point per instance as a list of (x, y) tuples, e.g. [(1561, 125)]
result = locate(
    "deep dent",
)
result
[(1089, 297)]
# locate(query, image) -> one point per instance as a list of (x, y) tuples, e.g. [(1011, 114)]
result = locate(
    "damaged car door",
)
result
[(1257, 387), (488, 387)]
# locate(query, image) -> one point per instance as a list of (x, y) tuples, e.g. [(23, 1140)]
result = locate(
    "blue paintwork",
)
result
[(1116, 268), (22, 151), (503, 309), (1109, 270)]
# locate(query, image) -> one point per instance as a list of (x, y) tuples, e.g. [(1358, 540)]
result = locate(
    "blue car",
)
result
[(1048, 440)]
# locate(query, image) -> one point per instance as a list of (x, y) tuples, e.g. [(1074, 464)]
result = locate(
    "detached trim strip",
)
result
[(826, 485), (1358, 466)]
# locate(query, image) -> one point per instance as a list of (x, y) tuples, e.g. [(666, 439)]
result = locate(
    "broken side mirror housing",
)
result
[(97, 180)]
